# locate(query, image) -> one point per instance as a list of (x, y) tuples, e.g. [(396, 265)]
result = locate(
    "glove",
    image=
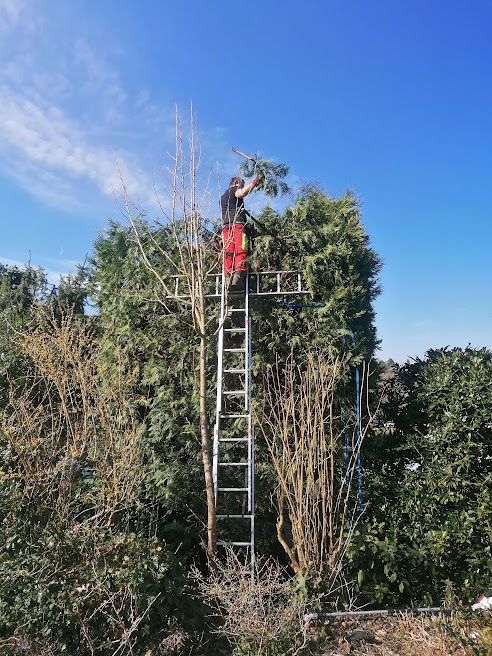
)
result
[(256, 181)]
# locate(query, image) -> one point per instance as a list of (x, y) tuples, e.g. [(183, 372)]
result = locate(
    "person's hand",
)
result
[(256, 181)]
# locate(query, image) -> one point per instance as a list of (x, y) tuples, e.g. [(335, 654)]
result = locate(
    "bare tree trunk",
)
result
[(206, 451), (280, 534)]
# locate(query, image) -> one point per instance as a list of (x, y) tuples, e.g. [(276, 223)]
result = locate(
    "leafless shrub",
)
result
[(301, 423), (122, 609), (260, 615), (72, 418)]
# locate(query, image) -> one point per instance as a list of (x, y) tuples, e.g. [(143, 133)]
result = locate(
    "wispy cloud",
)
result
[(102, 79), (47, 152), (68, 123), (52, 275), (10, 11)]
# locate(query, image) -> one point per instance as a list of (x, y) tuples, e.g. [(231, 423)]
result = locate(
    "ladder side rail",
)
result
[(251, 449), (247, 367), (218, 406), (250, 444)]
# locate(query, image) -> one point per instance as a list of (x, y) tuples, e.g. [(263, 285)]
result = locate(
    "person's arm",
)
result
[(241, 193)]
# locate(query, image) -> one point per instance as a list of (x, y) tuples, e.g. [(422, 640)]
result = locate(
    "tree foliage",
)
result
[(84, 560), (140, 354), (325, 239), (102, 501)]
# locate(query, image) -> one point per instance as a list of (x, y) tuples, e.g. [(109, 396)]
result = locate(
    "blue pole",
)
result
[(358, 439), (357, 433)]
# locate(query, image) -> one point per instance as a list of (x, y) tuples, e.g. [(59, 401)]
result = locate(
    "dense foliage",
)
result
[(324, 238), (428, 481), (102, 500)]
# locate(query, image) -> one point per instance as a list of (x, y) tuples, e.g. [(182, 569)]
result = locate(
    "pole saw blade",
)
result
[(238, 152)]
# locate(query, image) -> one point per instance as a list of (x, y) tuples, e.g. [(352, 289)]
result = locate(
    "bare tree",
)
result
[(304, 432), (193, 256)]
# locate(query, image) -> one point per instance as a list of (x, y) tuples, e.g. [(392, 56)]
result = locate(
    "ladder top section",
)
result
[(261, 283)]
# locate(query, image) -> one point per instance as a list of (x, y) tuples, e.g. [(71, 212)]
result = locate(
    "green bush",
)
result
[(430, 519), (79, 590)]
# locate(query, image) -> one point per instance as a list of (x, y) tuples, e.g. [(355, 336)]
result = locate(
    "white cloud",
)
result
[(102, 79), (52, 276), (67, 121), (47, 153), (12, 263), (10, 11)]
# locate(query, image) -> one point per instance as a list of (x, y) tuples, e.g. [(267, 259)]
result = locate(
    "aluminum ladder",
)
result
[(233, 446)]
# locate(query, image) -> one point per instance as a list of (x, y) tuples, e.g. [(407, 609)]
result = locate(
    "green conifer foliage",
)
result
[(325, 239), (270, 175)]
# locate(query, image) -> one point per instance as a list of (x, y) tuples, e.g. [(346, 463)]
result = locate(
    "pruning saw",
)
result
[(238, 152)]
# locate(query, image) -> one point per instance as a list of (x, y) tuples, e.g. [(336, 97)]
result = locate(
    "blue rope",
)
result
[(358, 440)]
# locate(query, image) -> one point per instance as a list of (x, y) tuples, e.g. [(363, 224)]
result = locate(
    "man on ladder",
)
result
[(234, 231)]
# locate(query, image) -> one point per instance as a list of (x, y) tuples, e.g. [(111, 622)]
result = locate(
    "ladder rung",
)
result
[(235, 350), (234, 371), (234, 516), (234, 416), (226, 543), (236, 309), (234, 439), (234, 392), (233, 464), (234, 330), (232, 489)]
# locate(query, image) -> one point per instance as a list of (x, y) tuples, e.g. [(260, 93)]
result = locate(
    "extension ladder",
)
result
[(233, 442), (233, 447)]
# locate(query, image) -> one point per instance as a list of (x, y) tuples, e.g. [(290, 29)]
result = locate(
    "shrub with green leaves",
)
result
[(85, 561), (430, 518)]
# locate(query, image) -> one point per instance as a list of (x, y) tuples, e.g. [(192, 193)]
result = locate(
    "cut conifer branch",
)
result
[(270, 175)]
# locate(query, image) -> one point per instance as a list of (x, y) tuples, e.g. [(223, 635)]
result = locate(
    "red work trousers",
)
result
[(235, 248)]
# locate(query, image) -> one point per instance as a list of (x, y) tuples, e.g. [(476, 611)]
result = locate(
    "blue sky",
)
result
[(390, 99)]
